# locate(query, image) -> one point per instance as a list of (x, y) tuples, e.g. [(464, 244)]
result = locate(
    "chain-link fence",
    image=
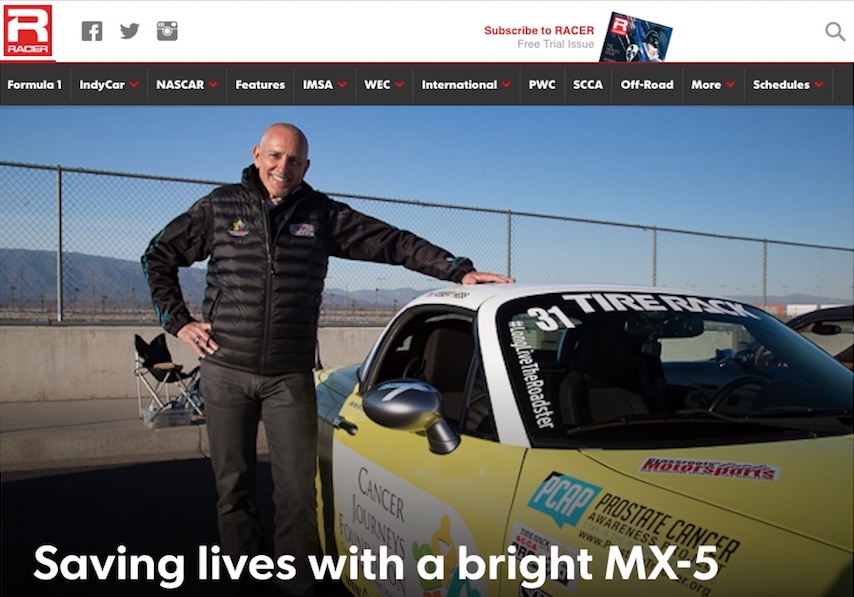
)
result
[(70, 242)]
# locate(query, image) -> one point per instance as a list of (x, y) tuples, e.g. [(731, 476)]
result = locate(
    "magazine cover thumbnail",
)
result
[(630, 39)]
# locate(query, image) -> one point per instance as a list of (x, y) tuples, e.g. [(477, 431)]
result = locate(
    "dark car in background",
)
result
[(831, 329)]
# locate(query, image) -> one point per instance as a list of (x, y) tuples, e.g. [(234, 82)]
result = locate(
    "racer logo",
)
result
[(620, 25), (27, 31), (564, 499)]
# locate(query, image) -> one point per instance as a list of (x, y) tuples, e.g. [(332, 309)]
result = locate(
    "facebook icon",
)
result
[(93, 31)]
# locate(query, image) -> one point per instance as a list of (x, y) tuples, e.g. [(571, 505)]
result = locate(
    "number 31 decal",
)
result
[(546, 318)]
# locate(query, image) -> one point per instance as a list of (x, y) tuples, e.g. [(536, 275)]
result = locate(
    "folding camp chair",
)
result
[(164, 379)]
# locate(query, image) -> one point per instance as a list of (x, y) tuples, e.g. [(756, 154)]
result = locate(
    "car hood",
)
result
[(805, 486)]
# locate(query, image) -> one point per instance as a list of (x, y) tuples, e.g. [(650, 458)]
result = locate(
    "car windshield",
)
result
[(600, 368)]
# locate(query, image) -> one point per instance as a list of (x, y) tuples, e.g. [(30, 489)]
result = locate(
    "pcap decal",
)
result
[(563, 498)]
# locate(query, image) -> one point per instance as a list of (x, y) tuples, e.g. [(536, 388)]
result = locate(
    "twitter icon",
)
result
[(129, 31)]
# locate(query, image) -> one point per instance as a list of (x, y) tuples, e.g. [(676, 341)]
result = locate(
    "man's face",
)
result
[(282, 160)]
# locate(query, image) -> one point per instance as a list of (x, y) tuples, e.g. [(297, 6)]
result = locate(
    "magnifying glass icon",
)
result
[(833, 29)]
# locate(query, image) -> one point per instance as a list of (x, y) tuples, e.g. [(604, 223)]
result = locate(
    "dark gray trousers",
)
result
[(234, 403)]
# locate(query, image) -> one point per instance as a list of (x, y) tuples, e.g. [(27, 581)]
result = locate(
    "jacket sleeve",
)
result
[(183, 241), (354, 235)]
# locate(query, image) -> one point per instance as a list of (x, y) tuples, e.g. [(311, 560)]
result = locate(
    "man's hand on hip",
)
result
[(198, 335)]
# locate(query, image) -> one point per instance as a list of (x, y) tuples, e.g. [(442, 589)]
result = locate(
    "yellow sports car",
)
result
[(504, 440)]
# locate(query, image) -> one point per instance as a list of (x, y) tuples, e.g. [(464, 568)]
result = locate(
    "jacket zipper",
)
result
[(268, 300), (270, 272)]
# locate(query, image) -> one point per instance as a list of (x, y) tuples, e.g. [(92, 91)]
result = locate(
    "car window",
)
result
[(610, 365), (833, 337), (438, 347)]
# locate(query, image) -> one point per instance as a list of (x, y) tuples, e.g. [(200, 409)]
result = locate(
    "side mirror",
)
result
[(826, 329), (411, 405)]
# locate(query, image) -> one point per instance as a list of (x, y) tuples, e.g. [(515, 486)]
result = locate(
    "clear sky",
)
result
[(783, 173), (778, 173)]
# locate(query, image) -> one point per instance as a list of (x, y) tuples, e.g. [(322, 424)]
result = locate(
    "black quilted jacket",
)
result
[(264, 286)]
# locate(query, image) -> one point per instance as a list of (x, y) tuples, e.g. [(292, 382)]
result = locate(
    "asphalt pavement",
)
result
[(156, 508), (89, 477)]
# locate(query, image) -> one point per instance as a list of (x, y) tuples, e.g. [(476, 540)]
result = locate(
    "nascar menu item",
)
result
[(630, 39)]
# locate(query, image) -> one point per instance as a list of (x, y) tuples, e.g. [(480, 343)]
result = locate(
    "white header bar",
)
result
[(427, 31)]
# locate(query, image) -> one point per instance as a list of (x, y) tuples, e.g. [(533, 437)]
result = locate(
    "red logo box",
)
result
[(620, 25), (28, 31)]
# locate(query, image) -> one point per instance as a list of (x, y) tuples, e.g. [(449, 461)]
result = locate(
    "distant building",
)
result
[(795, 310)]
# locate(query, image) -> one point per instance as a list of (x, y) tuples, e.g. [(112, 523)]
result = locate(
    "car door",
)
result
[(392, 492), (553, 514)]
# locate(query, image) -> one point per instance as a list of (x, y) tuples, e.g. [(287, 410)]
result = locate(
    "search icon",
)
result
[(833, 29)]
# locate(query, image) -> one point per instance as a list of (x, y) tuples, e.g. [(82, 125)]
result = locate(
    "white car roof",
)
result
[(486, 299), (472, 296)]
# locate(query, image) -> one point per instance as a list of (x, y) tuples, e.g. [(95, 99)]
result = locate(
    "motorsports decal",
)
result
[(378, 511), (529, 542), (710, 468)]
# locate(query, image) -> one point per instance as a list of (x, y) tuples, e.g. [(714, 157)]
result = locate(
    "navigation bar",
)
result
[(427, 84)]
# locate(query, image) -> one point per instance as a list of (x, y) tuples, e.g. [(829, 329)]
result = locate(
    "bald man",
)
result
[(268, 241)]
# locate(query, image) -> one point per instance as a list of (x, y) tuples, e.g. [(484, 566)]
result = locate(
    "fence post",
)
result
[(509, 240), (654, 256), (59, 243), (764, 272)]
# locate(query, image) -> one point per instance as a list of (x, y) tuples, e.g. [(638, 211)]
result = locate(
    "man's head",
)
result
[(652, 38), (281, 158)]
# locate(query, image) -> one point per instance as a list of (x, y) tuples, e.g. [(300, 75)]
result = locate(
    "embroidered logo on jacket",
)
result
[(302, 230), (238, 228)]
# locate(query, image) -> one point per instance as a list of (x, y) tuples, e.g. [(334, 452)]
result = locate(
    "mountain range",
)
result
[(106, 281)]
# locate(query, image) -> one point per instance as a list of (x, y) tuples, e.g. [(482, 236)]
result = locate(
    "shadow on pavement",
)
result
[(158, 509)]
